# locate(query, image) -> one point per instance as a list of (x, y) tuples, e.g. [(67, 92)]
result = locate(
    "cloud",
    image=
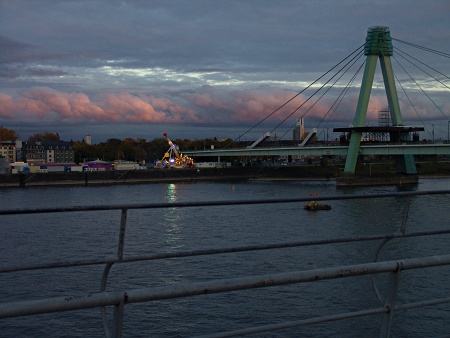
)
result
[(243, 106), (208, 106), (42, 103)]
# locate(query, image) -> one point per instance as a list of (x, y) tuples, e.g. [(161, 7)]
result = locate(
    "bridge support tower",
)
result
[(378, 46)]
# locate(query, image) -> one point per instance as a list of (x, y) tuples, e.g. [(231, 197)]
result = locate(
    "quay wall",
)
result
[(378, 175), (165, 175)]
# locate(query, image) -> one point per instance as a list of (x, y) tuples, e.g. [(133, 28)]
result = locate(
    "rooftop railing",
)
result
[(118, 299)]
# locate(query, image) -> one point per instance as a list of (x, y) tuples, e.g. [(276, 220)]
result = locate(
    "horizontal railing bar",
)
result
[(287, 325), (68, 303), (193, 253), (423, 303), (218, 203), (323, 319)]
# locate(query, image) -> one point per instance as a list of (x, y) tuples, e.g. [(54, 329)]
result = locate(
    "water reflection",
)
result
[(171, 195), (172, 222)]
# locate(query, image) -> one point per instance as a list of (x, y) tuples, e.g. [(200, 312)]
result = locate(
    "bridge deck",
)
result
[(384, 149)]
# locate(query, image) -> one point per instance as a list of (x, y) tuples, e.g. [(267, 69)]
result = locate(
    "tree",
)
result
[(84, 152), (8, 134), (47, 136), (139, 154)]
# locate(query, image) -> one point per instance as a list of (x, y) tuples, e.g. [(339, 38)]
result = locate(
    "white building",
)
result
[(299, 130)]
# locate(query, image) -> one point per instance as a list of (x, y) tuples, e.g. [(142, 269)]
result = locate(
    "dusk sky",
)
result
[(210, 68)]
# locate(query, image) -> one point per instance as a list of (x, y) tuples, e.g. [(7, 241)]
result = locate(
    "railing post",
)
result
[(389, 303), (118, 308), (118, 318)]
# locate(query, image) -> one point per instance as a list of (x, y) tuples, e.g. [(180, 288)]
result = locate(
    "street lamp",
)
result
[(433, 132)]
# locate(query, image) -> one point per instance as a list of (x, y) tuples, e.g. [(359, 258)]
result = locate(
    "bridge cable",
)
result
[(340, 95), (428, 50), (421, 88), (402, 52), (309, 109), (351, 62), (299, 93), (423, 48), (412, 105)]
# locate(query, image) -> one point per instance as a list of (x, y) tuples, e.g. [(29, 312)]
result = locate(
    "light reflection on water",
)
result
[(51, 237)]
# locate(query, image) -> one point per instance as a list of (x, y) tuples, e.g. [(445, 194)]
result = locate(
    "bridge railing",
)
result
[(118, 299)]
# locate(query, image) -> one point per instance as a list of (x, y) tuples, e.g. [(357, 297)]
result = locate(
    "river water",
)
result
[(38, 238)]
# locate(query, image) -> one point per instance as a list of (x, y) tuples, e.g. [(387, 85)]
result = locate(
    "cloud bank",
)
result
[(206, 105)]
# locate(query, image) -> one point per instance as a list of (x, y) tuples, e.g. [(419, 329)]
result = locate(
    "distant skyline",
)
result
[(204, 69)]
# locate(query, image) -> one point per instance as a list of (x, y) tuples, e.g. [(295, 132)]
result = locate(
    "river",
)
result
[(37, 238)]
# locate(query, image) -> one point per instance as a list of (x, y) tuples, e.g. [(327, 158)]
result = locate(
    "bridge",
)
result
[(383, 149), (378, 47)]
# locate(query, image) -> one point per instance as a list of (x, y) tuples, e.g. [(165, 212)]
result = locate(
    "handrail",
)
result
[(108, 298), (120, 298), (204, 252)]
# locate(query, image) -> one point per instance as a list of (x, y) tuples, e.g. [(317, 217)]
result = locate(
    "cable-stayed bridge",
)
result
[(377, 48)]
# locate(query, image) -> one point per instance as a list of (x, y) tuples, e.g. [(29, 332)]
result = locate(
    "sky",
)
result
[(203, 69)]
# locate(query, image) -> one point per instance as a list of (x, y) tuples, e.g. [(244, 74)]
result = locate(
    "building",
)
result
[(35, 153), (97, 165), (8, 150), (38, 153), (19, 147), (299, 130), (4, 165)]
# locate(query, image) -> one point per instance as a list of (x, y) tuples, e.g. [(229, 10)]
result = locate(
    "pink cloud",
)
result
[(6, 106), (251, 106), (207, 105), (52, 105)]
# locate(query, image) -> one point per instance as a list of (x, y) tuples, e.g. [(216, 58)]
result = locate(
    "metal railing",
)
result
[(119, 298)]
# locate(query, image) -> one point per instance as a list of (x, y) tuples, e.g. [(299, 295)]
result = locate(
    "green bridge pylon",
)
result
[(378, 46)]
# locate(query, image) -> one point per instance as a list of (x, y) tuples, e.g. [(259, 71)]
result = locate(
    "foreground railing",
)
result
[(119, 298)]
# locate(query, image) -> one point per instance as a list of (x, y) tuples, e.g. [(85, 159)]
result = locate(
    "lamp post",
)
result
[(433, 132)]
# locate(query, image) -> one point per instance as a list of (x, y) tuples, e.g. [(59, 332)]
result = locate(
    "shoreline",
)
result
[(188, 175)]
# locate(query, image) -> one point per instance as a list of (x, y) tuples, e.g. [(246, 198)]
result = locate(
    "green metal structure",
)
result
[(378, 46)]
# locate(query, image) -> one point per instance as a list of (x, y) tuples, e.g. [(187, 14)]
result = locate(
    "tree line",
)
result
[(139, 150), (128, 149)]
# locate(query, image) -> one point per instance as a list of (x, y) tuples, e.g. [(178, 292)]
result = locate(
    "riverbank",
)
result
[(163, 175), (231, 174)]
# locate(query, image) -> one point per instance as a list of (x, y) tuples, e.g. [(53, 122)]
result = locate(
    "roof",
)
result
[(388, 129)]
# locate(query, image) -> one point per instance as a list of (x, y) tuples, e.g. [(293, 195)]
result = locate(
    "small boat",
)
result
[(314, 206)]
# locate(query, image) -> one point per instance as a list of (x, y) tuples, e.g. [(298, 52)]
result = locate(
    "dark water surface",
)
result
[(38, 238)]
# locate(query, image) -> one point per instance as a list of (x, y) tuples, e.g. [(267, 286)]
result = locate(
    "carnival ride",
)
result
[(173, 158)]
